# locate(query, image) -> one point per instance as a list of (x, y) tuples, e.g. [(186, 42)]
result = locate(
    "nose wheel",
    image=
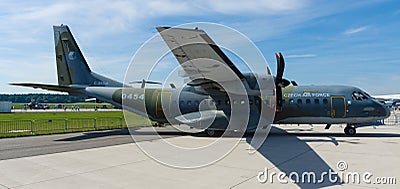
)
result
[(350, 130)]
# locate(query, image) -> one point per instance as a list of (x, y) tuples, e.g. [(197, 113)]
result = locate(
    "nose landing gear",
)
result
[(350, 130)]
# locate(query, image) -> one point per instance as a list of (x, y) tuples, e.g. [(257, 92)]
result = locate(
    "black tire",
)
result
[(351, 131), (213, 133), (210, 132)]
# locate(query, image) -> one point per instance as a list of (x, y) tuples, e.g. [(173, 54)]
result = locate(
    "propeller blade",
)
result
[(278, 98), (282, 62), (280, 69), (279, 82)]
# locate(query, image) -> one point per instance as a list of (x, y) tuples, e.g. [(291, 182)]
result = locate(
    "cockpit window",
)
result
[(366, 94), (360, 96)]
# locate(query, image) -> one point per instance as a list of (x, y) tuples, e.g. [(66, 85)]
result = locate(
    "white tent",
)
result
[(5, 106)]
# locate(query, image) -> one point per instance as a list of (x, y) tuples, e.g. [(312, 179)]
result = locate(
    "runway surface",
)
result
[(109, 159)]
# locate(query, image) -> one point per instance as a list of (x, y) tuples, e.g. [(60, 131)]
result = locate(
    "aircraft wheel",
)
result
[(156, 124), (212, 132), (350, 130)]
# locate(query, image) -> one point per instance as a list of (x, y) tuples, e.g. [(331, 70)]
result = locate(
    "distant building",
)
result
[(5, 106)]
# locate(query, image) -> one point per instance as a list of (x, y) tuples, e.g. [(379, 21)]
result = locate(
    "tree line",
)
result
[(41, 98)]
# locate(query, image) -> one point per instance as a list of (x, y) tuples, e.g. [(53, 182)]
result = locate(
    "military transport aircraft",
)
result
[(294, 104)]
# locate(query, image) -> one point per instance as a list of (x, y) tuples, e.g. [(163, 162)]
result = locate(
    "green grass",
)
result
[(57, 115), (39, 123)]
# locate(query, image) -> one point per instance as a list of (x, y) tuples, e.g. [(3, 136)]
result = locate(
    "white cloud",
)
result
[(106, 30), (355, 30), (264, 7)]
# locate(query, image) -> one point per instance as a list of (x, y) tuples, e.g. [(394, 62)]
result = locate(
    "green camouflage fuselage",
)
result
[(301, 104)]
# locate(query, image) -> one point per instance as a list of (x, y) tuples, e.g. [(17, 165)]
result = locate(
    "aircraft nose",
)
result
[(387, 111)]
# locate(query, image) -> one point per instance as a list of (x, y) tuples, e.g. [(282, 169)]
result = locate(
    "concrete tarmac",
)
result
[(371, 158)]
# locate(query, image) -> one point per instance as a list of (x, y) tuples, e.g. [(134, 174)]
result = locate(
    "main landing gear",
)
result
[(156, 124), (350, 130), (213, 132)]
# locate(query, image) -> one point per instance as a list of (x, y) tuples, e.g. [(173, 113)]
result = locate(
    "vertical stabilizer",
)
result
[(72, 68)]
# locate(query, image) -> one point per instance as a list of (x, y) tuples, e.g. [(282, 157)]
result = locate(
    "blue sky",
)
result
[(324, 42)]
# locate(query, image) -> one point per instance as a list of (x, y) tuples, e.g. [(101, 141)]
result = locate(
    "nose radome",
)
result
[(387, 112)]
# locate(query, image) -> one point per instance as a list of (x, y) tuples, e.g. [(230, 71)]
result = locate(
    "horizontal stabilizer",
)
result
[(69, 89)]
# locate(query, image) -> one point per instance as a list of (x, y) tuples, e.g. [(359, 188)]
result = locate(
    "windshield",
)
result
[(360, 96)]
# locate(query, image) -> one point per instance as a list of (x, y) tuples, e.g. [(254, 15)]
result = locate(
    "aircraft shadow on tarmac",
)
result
[(96, 134), (274, 132), (291, 155), (284, 150), (123, 132)]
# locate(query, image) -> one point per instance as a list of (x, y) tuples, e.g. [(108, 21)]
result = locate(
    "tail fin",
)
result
[(72, 68)]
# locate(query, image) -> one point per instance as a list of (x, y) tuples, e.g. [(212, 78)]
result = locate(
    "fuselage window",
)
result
[(181, 103), (308, 101), (325, 101), (299, 101), (241, 101), (291, 101), (196, 102), (316, 101), (189, 102)]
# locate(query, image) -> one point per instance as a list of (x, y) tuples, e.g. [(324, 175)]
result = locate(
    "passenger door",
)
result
[(338, 107)]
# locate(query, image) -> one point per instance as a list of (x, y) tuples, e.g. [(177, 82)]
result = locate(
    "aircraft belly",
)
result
[(326, 120)]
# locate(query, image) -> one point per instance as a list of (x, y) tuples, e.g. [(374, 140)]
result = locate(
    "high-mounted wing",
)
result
[(201, 59)]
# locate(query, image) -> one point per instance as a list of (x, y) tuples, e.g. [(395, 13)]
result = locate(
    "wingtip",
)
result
[(14, 84), (162, 28)]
